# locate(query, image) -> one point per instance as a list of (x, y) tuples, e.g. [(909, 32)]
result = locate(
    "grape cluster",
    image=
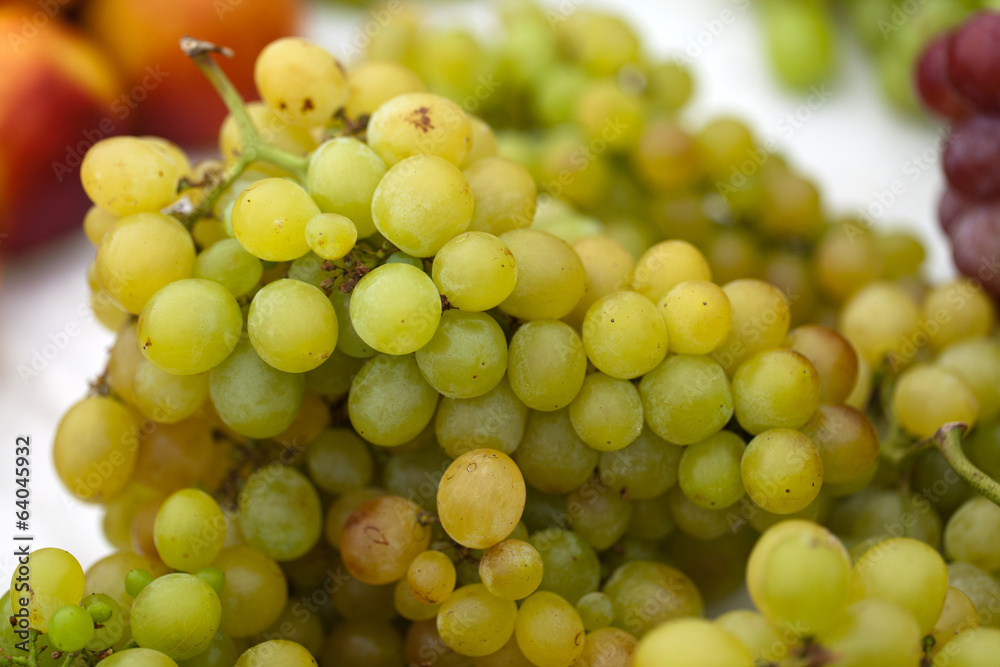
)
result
[(375, 401)]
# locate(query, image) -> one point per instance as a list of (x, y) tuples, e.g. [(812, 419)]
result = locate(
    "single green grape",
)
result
[(277, 652), (373, 83), (697, 316), (633, 584), (280, 513), (431, 577), (709, 471), (624, 335), (71, 628), (686, 398), (976, 362), (475, 271), (390, 402), (228, 264), (331, 235), (409, 606), (395, 309), (971, 648), (782, 470), (292, 325), (138, 657), (570, 567), (504, 193), (598, 513), (971, 534), (596, 611), (176, 614), (778, 388), (190, 530), (549, 630), (255, 592), (550, 276), (474, 622), (926, 397), (831, 355), (128, 175), (546, 364), (303, 83), (136, 580), (45, 582), (511, 569), (480, 498), (847, 442), (761, 316), (339, 462), (467, 356), (881, 319), (420, 123), (214, 577), (607, 412), (551, 456), (270, 218), (167, 398), (690, 642), (644, 469), (342, 176), (94, 448), (495, 420)]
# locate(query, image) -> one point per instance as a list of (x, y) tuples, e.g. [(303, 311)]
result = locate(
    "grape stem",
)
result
[(949, 440)]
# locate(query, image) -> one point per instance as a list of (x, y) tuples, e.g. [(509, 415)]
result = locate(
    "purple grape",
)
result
[(976, 246), (972, 157), (974, 61), (933, 85), (950, 207)]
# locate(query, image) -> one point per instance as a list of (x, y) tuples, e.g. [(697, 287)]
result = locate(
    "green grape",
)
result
[(596, 611), (976, 362), (292, 326), (221, 652), (190, 530), (467, 356), (390, 401), (420, 124), (395, 309), (494, 420), (109, 625), (633, 585), (97, 222), (480, 498), (800, 42), (598, 513), (875, 632), (569, 564), (212, 576), (421, 204), (431, 577), (252, 397), (138, 657), (697, 316), (697, 521), (313, 269), (686, 398), (270, 218), (373, 83), (504, 193), (342, 176), (831, 355), (189, 327), (926, 397), (94, 448), (608, 268), (666, 265), (761, 317), (973, 534), (690, 642), (139, 255), (847, 259), (331, 235), (348, 340), (550, 276), (546, 365), (280, 513), (167, 398), (228, 264), (255, 592), (511, 569), (601, 42), (276, 653), (136, 580), (301, 81), (790, 205), (724, 143), (381, 538), (971, 648), (775, 389), (604, 102), (475, 271), (982, 588), (70, 628), (847, 442), (474, 622), (709, 471), (408, 606), (957, 616), (651, 519), (607, 412), (549, 630), (128, 175), (782, 470), (881, 319), (960, 309), (643, 470), (624, 335), (665, 159), (755, 633), (177, 614), (416, 475), (551, 455), (339, 462)]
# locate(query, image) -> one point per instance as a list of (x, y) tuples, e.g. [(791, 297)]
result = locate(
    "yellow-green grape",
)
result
[(775, 389), (331, 235), (549, 630), (669, 85), (140, 254), (408, 606), (43, 583), (956, 311), (981, 587), (111, 623), (95, 448), (608, 268), (270, 218), (665, 159), (504, 193), (138, 657), (107, 313), (348, 341), (128, 175), (782, 470), (902, 253), (494, 420), (97, 222), (957, 616), (800, 42), (724, 143), (108, 575), (228, 264), (699, 522), (605, 112), (420, 124), (332, 379), (390, 402), (280, 513), (474, 622), (301, 81), (607, 647), (882, 319), (862, 390), (976, 361), (645, 469), (167, 398), (906, 572), (733, 253), (221, 652), (686, 398), (755, 633), (624, 335), (607, 412), (255, 592), (546, 364), (570, 565), (381, 538), (831, 355), (339, 461), (874, 632), (846, 259), (971, 648), (598, 513), (511, 569), (467, 356), (551, 456), (276, 653), (550, 276), (273, 130), (559, 219), (596, 612), (651, 519), (698, 317), (790, 205), (342, 176), (601, 42), (635, 583), (480, 498), (709, 471), (666, 265), (177, 614), (475, 271), (189, 531), (690, 642), (761, 317), (847, 442), (431, 577), (252, 397), (396, 308), (189, 326), (971, 534), (927, 397), (484, 142), (292, 325), (373, 83)]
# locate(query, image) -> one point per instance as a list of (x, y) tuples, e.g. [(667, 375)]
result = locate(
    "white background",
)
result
[(854, 146)]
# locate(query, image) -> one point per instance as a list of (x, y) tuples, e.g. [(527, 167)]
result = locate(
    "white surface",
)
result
[(854, 145)]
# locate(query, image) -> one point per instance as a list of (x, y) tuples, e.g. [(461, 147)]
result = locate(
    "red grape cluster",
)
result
[(958, 77)]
